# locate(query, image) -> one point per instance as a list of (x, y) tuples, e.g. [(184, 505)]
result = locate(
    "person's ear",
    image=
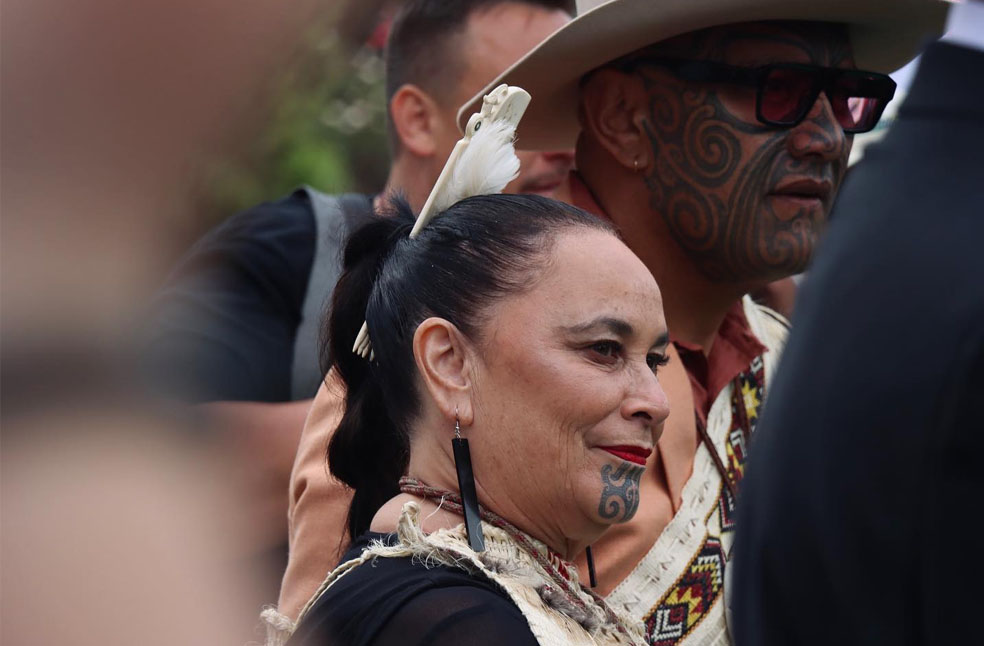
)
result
[(414, 115), (445, 360), (613, 111)]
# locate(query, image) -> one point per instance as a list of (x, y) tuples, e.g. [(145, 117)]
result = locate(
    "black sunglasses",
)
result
[(785, 92)]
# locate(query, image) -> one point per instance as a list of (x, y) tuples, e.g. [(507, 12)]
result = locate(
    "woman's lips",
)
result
[(635, 454)]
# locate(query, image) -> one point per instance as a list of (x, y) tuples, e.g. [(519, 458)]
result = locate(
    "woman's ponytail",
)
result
[(367, 452)]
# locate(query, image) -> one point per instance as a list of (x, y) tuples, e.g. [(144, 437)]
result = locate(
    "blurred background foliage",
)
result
[(323, 125)]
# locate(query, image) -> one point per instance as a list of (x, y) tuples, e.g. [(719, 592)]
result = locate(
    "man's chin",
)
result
[(545, 192)]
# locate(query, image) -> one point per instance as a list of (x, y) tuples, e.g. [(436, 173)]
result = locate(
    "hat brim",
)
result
[(885, 34)]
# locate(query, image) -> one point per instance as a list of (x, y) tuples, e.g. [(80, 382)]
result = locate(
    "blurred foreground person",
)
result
[(866, 465), (717, 150), (526, 327), (120, 525), (237, 325)]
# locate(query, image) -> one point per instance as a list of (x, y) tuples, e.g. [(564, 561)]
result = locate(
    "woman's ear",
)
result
[(613, 109), (445, 360), (414, 113)]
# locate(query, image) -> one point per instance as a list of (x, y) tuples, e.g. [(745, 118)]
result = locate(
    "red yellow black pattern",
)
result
[(690, 598)]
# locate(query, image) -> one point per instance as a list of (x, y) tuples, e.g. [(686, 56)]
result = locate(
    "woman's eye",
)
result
[(655, 361), (606, 349)]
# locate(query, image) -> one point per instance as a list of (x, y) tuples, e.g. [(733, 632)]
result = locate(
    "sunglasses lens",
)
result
[(855, 113), (786, 95), (858, 100)]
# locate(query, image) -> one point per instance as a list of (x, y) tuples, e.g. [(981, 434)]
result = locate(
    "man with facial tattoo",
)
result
[(876, 411), (715, 136)]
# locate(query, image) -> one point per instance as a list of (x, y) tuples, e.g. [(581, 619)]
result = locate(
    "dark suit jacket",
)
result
[(861, 513)]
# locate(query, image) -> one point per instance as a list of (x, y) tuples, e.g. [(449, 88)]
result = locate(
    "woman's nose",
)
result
[(647, 400)]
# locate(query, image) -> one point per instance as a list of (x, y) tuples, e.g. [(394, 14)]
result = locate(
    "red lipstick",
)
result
[(635, 454)]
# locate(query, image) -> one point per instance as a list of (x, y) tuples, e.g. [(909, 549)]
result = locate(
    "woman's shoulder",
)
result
[(389, 600)]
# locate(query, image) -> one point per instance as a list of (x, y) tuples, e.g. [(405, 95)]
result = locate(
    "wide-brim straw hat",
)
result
[(884, 35)]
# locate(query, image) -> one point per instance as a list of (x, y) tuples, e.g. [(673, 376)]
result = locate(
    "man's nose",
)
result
[(820, 135)]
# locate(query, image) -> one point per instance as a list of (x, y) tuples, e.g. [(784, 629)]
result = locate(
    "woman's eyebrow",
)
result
[(662, 340), (613, 325)]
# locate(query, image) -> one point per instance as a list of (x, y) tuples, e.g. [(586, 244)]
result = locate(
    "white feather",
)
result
[(486, 165), (479, 165)]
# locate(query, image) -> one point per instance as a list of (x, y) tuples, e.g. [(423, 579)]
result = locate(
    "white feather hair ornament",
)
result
[(487, 164), (481, 163)]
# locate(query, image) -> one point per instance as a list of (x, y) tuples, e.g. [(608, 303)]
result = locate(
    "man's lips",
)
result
[(635, 454), (804, 189), (545, 187)]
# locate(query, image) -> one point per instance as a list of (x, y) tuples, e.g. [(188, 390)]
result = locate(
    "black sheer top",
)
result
[(399, 602)]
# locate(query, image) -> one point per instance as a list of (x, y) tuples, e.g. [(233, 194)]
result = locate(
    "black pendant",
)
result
[(592, 579), (469, 498)]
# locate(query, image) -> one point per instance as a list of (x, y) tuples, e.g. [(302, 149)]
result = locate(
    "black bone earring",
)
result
[(466, 487)]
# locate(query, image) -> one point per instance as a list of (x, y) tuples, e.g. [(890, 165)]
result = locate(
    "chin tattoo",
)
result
[(712, 168), (620, 491)]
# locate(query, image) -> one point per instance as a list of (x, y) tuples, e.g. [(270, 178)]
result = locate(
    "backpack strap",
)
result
[(335, 217)]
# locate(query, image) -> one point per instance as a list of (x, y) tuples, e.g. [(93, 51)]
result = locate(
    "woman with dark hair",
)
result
[(500, 425)]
